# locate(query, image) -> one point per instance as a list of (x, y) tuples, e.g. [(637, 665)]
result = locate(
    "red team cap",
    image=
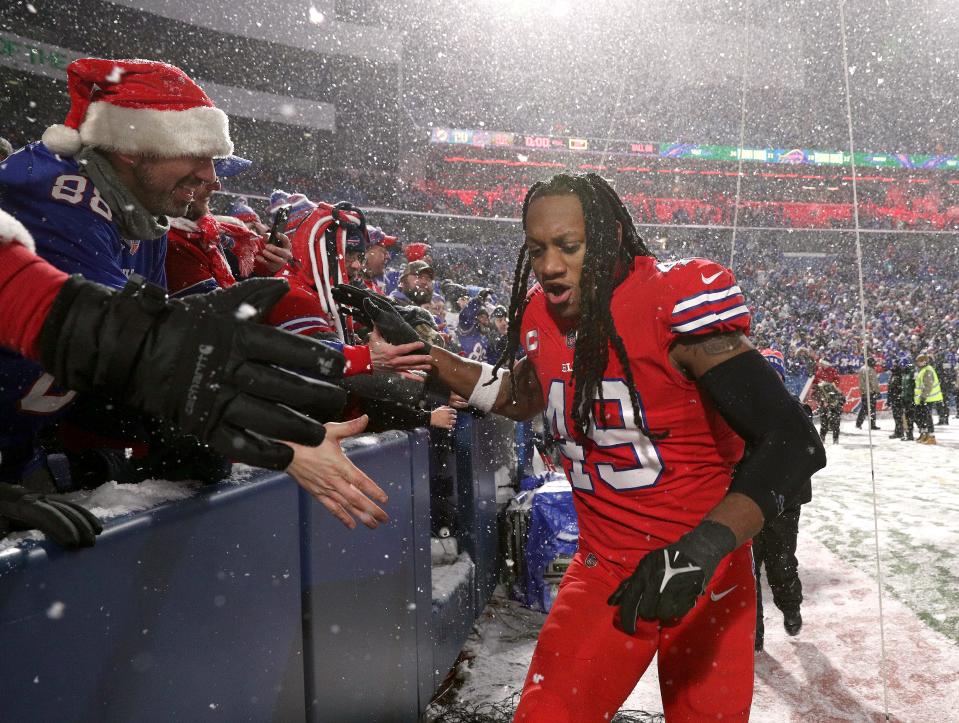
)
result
[(416, 251), (140, 107), (379, 238)]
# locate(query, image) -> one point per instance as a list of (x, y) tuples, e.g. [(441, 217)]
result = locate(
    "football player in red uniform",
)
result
[(652, 391)]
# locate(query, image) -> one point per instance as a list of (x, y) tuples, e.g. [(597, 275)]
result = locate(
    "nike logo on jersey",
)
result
[(710, 279), (715, 597)]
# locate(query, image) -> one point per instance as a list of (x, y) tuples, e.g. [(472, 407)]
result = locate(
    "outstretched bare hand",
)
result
[(399, 358), (328, 474)]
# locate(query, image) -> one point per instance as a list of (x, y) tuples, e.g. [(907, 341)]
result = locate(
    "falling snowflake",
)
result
[(245, 311), (316, 17)]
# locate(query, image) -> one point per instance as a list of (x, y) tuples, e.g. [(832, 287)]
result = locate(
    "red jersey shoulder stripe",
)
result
[(712, 318), (306, 325), (705, 297)]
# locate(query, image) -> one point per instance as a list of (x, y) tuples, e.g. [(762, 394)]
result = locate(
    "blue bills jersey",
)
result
[(73, 228)]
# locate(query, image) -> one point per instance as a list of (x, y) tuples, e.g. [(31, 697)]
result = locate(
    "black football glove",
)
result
[(416, 315), (350, 299), (201, 363), (667, 582), (66, 523), (391, 324)]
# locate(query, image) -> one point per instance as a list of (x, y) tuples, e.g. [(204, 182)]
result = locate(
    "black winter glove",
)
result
[(391, 324), (350, 299), (201, 363), (66, 523), (667, 582), (416, 315)]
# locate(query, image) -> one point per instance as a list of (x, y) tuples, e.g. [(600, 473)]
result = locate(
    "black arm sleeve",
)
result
[(389, 400), (784, 449), (388, 387), (390, 415)]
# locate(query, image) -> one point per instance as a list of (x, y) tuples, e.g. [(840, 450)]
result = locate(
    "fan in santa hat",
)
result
[(139, 107)]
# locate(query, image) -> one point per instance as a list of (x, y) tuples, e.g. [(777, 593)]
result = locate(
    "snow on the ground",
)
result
[(917, 492), (830, 671), (448, 578)]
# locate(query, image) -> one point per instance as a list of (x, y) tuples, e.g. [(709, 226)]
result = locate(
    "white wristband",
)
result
[(484, 394)]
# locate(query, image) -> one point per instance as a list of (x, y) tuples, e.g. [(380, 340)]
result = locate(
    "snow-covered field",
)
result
[(831, 670)]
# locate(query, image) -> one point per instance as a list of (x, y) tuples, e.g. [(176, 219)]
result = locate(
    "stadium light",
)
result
[(559, 9), (535, 8)]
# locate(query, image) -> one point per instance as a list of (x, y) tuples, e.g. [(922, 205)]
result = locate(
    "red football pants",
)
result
[(584, 667)]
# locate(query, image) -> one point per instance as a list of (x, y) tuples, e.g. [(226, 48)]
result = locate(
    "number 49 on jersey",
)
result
[(623, 457)]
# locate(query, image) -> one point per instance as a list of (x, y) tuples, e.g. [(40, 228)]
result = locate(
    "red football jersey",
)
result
[(300, 310), (634, 494)]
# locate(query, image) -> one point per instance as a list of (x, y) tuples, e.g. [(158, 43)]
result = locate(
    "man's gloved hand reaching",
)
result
[(201, 363), (350, 299), (668, 581), (66, 523), (391, 324)]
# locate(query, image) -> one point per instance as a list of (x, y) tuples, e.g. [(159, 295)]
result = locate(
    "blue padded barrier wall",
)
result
[(360, 598), (188, 612), (484, 445), (420, 467), (248, 601)]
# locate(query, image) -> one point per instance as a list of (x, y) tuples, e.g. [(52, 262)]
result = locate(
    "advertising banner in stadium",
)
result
[(849, 386), (787, 156)]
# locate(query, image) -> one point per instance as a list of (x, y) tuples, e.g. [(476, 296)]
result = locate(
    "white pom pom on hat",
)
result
[(62, 140), (138, 107)]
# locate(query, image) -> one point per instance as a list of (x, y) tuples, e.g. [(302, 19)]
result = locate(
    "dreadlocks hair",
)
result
[(604, 212)]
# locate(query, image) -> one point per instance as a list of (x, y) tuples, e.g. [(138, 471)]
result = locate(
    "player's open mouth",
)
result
[(557, 293)]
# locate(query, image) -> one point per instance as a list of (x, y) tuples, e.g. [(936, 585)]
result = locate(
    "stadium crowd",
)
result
[(454, 295), (677, 192)]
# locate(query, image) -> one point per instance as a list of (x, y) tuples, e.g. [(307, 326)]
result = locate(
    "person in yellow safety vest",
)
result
[(928, 392)]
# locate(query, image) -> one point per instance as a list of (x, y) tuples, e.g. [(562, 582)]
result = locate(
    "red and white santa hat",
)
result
[(12, 231), (139, 107)]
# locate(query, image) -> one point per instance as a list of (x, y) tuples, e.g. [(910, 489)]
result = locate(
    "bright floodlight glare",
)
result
[(559, 9), (316, 17), (534, 8)]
